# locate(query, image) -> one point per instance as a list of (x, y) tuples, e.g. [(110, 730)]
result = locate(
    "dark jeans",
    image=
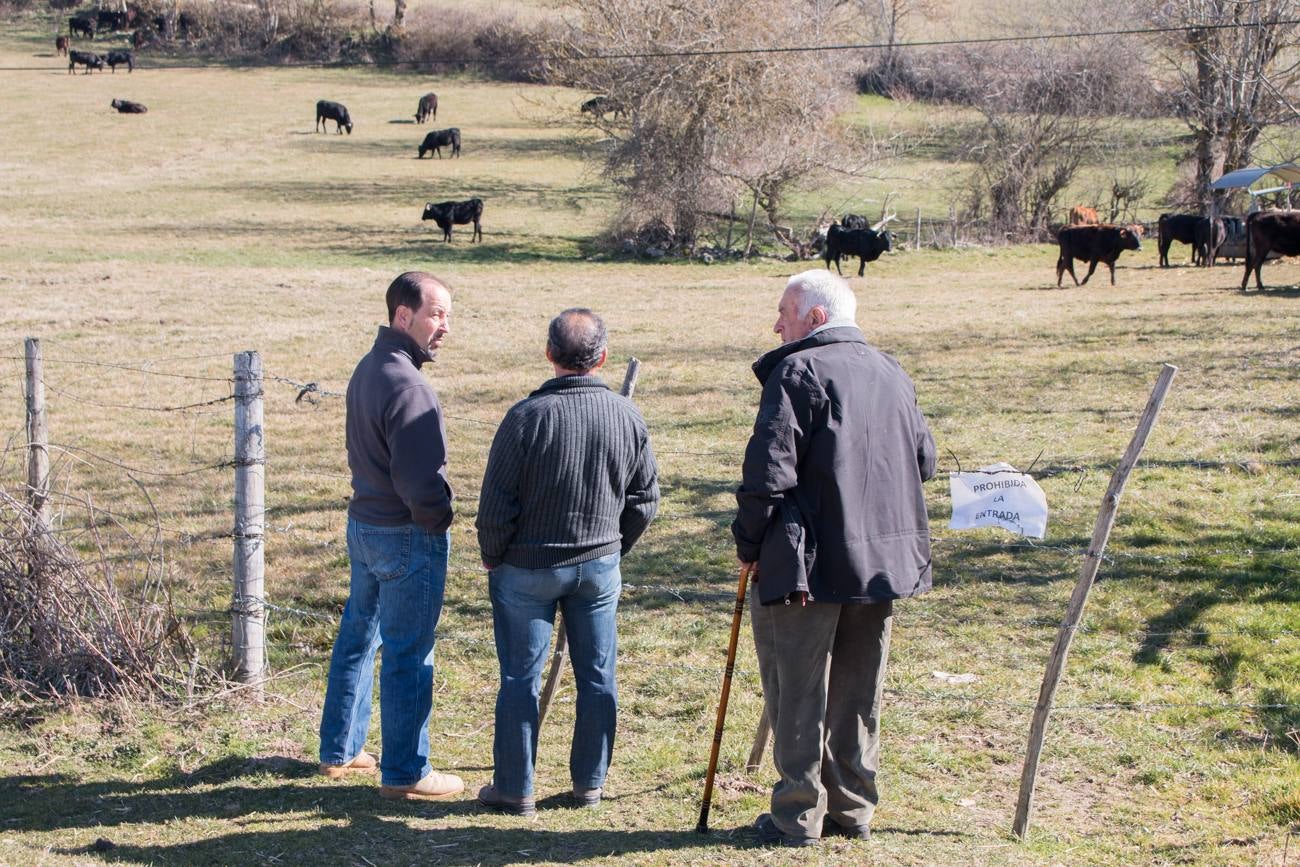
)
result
[(398, 576), (823, 671), (523, 614)]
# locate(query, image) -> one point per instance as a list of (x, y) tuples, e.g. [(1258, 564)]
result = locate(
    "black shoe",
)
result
[(587, 797), (488, 796), (831, 828), (770, 835)]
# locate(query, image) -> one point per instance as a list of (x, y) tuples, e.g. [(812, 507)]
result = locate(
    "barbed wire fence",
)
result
[(249, 611)]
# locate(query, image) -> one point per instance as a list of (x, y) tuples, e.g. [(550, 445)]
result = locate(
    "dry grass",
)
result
[(218, 222)]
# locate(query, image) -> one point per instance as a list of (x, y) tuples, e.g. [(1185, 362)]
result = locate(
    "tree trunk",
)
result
[(399, 13)]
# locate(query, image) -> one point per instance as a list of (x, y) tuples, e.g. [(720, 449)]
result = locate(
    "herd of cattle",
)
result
[(1260, 236)]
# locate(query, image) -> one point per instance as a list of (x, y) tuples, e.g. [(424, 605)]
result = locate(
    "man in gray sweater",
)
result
[(571, 484), (398, 545)]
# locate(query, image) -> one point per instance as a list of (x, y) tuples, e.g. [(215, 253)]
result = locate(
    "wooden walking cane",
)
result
[(562, 637), (702, 827)]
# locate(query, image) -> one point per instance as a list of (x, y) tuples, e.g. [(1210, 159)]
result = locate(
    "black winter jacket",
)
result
[(831, 502)]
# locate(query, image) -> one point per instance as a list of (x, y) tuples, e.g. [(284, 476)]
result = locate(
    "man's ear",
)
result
[(549, 357), (817, 316), (604, 354)]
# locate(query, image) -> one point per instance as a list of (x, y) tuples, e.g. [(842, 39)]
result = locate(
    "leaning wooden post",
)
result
[(562, 637), (1074, 613), (38, 438), (248, 635), (916, 242)]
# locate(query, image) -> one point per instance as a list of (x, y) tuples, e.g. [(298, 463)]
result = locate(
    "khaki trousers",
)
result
[(823, 671)]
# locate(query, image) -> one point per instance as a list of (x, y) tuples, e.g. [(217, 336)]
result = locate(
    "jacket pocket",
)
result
[(387, 551), (786, 554)]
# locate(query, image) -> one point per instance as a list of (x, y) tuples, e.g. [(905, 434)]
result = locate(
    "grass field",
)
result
[(219, 222)]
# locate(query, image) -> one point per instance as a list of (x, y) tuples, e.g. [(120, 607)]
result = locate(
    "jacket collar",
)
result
[(838, 334), (392, 340), (587, 381)]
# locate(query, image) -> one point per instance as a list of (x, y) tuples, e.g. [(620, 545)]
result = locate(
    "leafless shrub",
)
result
[(693, 130), (74, 623), (498, 42)]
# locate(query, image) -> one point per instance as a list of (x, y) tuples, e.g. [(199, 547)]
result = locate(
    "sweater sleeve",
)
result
[(771, 458), (498, 505), (642, 498), (417, 445)]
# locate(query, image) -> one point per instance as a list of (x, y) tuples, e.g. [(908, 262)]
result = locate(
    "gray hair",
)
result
[(820, 288), (576, 339)]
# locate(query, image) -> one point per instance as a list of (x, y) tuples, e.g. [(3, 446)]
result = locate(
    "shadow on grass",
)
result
[(347, 821)]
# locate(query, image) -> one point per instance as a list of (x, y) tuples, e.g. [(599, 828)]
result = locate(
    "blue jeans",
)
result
[(398, 577), (523, 615)]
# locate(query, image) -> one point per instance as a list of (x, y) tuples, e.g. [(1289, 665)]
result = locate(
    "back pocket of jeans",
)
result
[(387, 551)]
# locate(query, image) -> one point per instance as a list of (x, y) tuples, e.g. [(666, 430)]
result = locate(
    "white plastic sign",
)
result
[(998, 496)]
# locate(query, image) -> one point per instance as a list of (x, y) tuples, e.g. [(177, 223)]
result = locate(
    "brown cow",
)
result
[(1093, 244), (60, 46), (1081, 216), (1276, 232)]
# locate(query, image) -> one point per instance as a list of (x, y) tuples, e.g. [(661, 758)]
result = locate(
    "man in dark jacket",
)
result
[(570, 486), (398, 519), (832, 514)]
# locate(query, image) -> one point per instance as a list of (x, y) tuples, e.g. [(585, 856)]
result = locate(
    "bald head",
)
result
[(576, 340)]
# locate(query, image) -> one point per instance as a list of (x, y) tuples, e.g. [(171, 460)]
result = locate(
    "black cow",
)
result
[(107, 19), (854, 221), (599, 106), (83, 25), (436, 140), (120, 57), (335, 111), (1209, 236), (126, 106), (1175, 227), (446, 214), (1269, 233), (428, 108), (1093, 244), (863, 243), (88, 59)]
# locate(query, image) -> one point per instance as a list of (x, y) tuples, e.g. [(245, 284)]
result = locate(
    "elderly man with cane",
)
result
[(832, 515)]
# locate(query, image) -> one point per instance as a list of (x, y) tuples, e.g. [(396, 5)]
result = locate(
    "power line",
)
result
[(713, 52)]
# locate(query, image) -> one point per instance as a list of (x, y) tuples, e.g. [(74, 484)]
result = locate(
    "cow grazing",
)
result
[(1209, 236), (599, 106), (60, 46), (88, 59), (436, 140), (126, 106), (335, 111), (863, 243), (1081, 216), (428, 108), (120, 58), (1175, 227), (83, 25), (1093, 244), (1269, 233), (447, 214), (854, 221)]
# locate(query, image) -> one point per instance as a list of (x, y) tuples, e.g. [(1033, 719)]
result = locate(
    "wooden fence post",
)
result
[(761, 738), (562, 637), (1074, 613), (916, 242), (38, 438), (248, 632)]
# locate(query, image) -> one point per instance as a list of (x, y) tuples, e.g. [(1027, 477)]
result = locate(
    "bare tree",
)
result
[(1234, 62), (688, 132)]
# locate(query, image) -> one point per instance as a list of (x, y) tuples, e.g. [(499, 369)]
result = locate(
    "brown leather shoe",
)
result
[(363, 762), (434, 787)]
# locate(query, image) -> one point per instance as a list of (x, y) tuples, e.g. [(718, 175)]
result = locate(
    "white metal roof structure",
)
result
[(1288, 173)]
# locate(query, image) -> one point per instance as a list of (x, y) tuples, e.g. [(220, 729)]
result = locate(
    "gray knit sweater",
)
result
[(570, 478)]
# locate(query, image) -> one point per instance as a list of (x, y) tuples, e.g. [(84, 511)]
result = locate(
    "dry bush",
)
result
[(72, 624), (500, 43), (696, 132)]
